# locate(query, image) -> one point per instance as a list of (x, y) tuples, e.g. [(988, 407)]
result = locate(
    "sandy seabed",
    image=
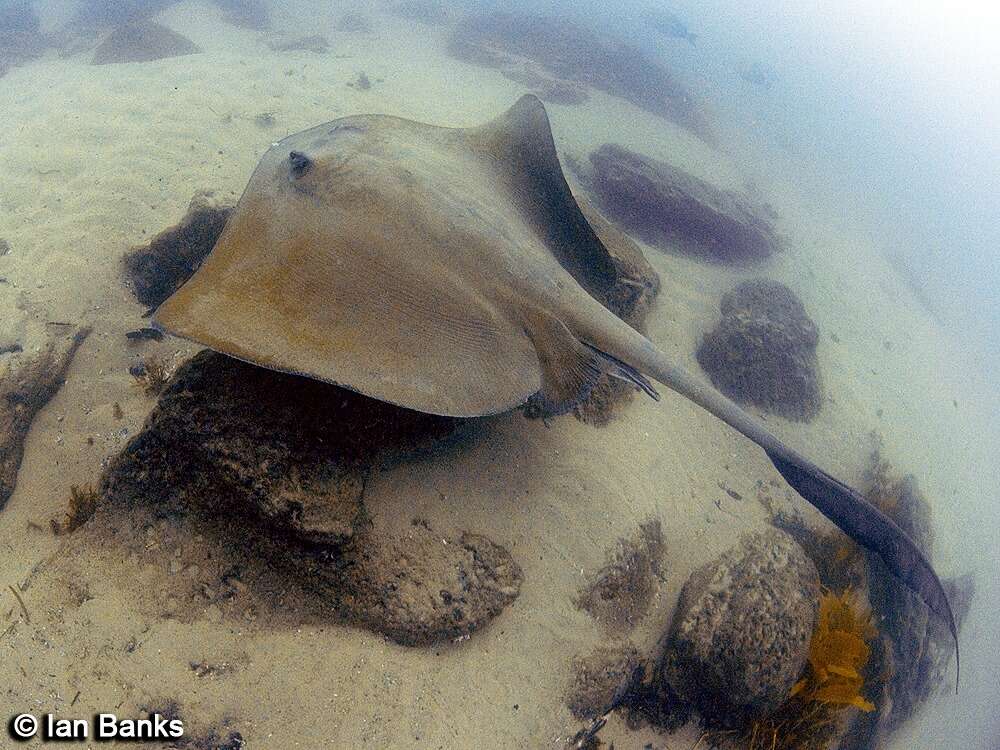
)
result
[(97, 159)]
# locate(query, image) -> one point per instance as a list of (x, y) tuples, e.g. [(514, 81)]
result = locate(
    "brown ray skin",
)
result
[(440, 269)]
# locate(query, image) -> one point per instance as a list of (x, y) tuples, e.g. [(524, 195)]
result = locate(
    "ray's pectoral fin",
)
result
[(871, 528), (571, 368)]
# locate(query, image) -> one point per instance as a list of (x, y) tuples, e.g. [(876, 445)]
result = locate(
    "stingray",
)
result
[(440, 269)]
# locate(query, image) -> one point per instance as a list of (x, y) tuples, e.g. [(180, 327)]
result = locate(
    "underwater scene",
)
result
[(499, 374)]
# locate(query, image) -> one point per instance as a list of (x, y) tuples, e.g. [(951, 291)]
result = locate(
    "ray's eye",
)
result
[(299, 163)]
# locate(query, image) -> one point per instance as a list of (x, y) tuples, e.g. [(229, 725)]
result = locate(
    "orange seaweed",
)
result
[(837, 654)]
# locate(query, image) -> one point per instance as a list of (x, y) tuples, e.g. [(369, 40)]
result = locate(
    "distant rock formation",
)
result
[(142, 41), (515, 41), (673, 210), (27, 384), (21, 38)]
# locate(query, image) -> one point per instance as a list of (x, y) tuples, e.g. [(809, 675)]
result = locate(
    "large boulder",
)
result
[(763, 352), (741, 632), (668, 208), (259, 477)]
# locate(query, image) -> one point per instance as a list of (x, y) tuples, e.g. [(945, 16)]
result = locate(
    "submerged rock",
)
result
[(740, 635), (915, 647), (142, 41), (354, 23), (429, 12), (27, 384), (763, 351), (509, 41), (667, 207), (110, 13), (548, 88), (248, 14), (270, 469), (157, 270), (229, 429), (421, 587)]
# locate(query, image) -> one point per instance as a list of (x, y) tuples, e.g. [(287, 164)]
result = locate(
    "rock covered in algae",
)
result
[(671, 209), (763, 352), (740, 635), (271, 470), (600, 677), (142, 41)]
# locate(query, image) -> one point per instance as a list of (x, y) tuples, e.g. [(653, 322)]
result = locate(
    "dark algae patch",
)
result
[(619, 594), (157, 270)]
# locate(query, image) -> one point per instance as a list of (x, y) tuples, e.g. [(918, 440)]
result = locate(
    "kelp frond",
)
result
[(837, 654)]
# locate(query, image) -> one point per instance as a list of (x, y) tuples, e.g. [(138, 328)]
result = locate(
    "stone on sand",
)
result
[(599, 676), (741, 632), (763, 352)]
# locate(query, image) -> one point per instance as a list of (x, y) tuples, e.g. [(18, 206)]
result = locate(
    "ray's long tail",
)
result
[(844, 506)]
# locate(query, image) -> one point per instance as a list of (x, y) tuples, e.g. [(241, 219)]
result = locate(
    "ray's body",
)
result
[(447, 270)]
